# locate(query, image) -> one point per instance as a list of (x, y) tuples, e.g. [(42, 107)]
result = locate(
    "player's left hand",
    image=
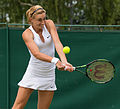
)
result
[(68, 67)]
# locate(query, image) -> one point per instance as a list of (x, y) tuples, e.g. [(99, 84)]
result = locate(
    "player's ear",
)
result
[(31, 20)]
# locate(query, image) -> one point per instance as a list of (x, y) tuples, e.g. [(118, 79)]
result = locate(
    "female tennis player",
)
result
[(41, 39)]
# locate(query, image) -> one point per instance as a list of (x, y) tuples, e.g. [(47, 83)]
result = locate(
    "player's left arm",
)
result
[(56, 40), (58, 45)]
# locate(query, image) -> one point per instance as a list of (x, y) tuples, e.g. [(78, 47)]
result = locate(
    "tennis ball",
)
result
[(66, 49)]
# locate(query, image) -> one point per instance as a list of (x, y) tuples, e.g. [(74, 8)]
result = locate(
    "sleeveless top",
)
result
[(39, 67)]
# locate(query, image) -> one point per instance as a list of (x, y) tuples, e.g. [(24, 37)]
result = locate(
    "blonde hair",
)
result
[(30, 13)]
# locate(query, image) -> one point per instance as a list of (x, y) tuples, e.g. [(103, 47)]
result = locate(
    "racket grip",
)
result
[(73, 68), (65, 68)]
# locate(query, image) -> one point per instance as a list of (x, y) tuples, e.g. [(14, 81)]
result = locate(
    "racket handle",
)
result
[(74, 68), (65, 68)]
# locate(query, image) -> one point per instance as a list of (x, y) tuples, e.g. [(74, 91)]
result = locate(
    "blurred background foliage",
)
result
[(83, 12)]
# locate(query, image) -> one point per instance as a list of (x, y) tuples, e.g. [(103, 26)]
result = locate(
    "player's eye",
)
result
[(40, 19)]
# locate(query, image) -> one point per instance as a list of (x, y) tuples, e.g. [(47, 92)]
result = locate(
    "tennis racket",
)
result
[(99, 71)]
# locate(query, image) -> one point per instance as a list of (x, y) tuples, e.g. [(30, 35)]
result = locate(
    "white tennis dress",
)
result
[(40, 75)]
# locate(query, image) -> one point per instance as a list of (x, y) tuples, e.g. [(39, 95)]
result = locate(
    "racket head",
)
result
[(100, 71)]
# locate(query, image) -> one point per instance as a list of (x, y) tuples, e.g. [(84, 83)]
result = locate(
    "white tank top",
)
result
[(43, 68)]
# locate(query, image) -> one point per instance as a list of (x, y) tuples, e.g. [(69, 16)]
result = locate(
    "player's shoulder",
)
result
[(27, 34), (49, 22), (50, 25)]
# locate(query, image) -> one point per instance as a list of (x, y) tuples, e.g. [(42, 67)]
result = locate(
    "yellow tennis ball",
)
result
[(66, 49)]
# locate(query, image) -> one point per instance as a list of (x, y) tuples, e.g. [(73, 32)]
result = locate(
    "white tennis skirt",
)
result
[(37, 82)]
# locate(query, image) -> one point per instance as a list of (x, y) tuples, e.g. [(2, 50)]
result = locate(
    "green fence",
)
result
[(75, 91)]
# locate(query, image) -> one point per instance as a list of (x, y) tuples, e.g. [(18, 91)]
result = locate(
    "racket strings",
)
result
[(100, 71)]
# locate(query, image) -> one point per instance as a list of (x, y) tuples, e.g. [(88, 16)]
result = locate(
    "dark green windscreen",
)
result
[(75, 91)]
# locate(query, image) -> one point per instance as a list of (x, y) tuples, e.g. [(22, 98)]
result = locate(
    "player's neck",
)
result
[(38, 30)]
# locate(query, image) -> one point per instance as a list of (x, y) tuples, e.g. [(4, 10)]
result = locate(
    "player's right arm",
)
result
[(28, 39), (31, 45)]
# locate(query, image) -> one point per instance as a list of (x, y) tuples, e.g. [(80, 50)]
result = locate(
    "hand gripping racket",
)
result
[(99, 71)]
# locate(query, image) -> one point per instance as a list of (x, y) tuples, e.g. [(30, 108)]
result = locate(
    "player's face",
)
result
[(39, 20)]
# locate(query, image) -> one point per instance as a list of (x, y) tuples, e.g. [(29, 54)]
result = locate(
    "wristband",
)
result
[(54, 60)]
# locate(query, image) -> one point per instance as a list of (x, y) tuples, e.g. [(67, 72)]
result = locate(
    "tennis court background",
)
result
[(75, 91)]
